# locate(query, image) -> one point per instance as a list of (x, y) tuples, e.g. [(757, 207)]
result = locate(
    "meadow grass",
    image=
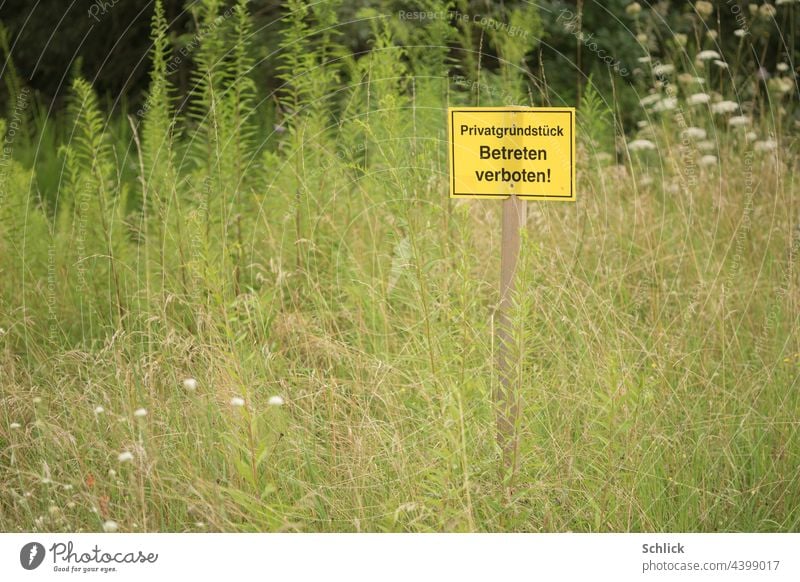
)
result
[(321, 260)]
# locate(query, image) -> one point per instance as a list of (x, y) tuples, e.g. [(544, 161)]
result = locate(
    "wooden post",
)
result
[(506, 393)]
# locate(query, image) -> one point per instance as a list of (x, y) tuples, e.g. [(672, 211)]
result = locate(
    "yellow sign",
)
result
[(498, 151)]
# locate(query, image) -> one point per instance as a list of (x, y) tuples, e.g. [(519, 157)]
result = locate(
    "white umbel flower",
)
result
[(767, 145), (707, 55), (699, 99), (664, 69), (110, 526), (237, 401), (190, 384), (125, 456), (694, 133), (650, 99), (708, 160), (724, 107), (641, 145), (739, 121), (666, 104), (705, 146), (275, 401)]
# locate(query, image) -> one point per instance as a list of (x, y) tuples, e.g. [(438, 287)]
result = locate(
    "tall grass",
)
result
[(302, 245)]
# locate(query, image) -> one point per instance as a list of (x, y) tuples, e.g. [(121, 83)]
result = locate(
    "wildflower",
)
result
[(694, 133), (110, 526), (2, 331), (707, 55), (641, 124), (112, 473), (665, 69), (704, 9), (739, 121), (667, 104), (275, 401), (751, 136), (645, 180), (699, 99), (767, 11), (190, 384), (641, 38), (649, 100), (125, 456), (140, 413), (708, 160), (721, 64), (99, 410), (633, 9), (724, 107), (36, 400), (640, 145), (782, 2), (70, 505), (781, 85), (753, 8), (644, 59), (236, 401), (14, 425), (681, 39), (766, 145), (705, 146), (782, 67), (712, 34), (740, 32)]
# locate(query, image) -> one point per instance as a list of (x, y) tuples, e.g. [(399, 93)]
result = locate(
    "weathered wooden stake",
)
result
[(507, 392)]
